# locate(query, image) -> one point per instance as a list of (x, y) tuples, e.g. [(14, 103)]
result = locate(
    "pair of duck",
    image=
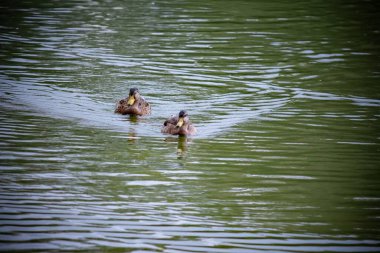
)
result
[(135, 104)]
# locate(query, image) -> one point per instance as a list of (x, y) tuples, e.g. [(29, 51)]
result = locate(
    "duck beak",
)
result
[(131, 100), (180, 122)]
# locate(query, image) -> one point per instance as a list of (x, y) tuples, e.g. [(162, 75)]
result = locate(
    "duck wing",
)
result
[(172, 120)]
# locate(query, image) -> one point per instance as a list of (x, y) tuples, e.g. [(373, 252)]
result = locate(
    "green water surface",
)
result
[(285, 97)]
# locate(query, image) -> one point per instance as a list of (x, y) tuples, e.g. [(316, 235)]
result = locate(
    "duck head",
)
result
[(133, 96), (182, 118)]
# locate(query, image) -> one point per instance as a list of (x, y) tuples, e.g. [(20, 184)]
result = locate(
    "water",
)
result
[(284, 95)]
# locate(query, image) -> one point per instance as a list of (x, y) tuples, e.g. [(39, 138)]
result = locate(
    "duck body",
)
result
[(134, 104), (179, 125)]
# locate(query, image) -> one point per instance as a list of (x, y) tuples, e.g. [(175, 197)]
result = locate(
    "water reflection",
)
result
[(133, 119), (182, 144)]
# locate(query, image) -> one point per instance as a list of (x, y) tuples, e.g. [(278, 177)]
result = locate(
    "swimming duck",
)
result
[(179, 125), (135, 104)]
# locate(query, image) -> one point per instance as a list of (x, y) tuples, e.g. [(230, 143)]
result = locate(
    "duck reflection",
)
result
[(182, 144), (133, 119), (132, 135)]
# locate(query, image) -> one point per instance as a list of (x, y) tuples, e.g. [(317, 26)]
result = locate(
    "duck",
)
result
[(179, 125), (135, 104)]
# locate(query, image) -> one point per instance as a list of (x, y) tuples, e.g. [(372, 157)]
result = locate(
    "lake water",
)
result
[(285, 96)]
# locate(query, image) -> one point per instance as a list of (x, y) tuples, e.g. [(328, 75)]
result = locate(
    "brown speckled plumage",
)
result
[(173, 126), (139, 106)]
